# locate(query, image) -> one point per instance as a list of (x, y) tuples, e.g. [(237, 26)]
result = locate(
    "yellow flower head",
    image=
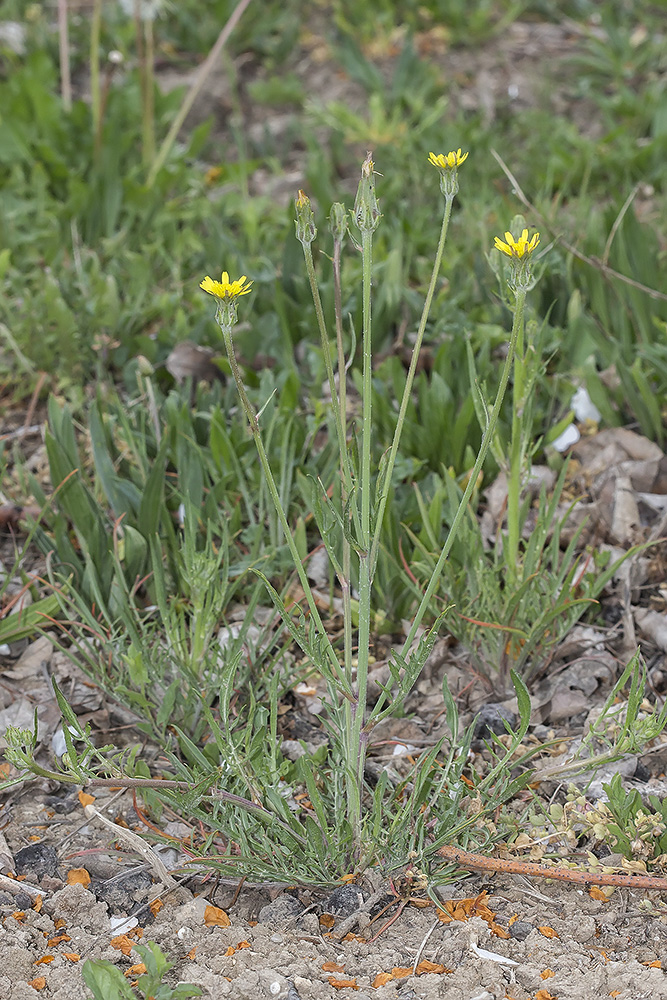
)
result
[(225, 289), (447, 161), (520, 248)]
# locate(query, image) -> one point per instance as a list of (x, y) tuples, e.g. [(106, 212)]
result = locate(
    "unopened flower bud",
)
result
[(305, 220), (366, 209), (338, 221)]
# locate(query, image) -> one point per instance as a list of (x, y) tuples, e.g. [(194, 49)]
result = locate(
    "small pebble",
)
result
[(520, 930)]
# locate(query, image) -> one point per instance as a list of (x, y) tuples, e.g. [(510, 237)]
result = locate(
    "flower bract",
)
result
[(225, 289), (522, 247)]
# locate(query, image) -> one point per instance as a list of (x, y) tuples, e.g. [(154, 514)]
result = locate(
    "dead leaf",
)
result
[(38, 983), (85, 799), (382, 979), (44, 960), (547, 974), (653, 626), (342, 984), (71, 956), (33, 661), (332, 967)]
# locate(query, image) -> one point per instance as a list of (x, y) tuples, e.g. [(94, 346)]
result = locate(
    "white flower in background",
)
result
[(584, 407), (565, 440)]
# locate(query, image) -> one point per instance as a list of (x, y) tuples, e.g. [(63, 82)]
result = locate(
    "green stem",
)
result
[(346, 579), (148, 103), (366, 391), (515, 471), (339, 413), (386, 483), (487, 438), (275, 496), (95, 93), (357, 741), (64, 57)]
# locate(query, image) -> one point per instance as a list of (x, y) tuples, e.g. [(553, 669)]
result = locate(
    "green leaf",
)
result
[(106, 981)]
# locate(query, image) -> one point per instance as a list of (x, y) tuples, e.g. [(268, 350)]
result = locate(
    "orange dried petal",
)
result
[(547, 974), (434, 968), (382, 979), (135, 970), (38, 983), (85, 799), (121, 943), (44, 960), (548, 932), (498, 930), (78, 876), (343, 984), (71, 956), (332, 967), (215, 917), (52, 942)]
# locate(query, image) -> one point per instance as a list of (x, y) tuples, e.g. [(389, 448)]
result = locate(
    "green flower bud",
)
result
[(338, 222), (366, 209), (305, 220)]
